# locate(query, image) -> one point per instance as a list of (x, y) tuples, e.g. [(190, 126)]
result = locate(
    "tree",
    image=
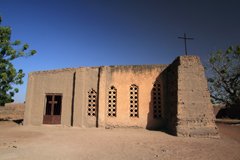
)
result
[(223, 71), (9, 75)]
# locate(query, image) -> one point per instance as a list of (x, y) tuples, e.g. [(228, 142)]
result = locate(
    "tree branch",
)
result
[(226, 85), (216, 98)]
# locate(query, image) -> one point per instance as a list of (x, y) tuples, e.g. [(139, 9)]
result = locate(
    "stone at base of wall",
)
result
[(119, 126), (206, 132)]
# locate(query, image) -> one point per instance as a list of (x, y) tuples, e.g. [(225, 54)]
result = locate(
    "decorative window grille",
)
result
[(134, 100), (112, 102), (92, 103), (156, 100)]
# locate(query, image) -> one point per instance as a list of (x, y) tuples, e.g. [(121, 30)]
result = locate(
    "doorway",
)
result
[(53, 109)]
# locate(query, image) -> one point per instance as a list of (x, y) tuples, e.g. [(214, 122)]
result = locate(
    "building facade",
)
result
[(171, 96)]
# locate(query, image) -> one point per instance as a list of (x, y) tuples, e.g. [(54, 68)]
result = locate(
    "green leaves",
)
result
[(223, 73), (229, 50), (16, 90), (237, 51), (17, 42), (5, 34), (212, 60), (33, 52), (9, 76), (3, 76), (25, 47), (211, 80)]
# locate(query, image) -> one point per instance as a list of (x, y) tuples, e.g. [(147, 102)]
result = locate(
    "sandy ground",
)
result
[(64, 143)]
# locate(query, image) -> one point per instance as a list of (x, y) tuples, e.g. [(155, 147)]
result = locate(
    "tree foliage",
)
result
[(224, 76), (9, 76)]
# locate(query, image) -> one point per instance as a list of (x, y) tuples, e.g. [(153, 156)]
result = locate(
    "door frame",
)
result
[(52, 119)]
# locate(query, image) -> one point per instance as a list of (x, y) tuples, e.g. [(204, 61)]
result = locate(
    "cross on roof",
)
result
[(185, 41)]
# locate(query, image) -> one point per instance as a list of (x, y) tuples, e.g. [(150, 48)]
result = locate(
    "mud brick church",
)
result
[(173, 96)]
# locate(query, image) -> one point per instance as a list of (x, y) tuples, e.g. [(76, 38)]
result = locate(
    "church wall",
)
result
[(29, 100), (86, 81), (104, 81), (189, 111), (126, 96), (122, 77), (195, 111), (42, 83), (170, 87)]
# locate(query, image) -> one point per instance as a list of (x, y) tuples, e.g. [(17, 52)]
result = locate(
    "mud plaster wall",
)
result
[(189, 110), (86, 80), (170, 87), (195, 111), (122, 77), (41, 83), (186, 107)]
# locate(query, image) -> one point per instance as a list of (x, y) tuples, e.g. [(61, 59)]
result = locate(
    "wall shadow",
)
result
[(155, 119), (18, 121), (167, 122), (170, 92), (232, 112)]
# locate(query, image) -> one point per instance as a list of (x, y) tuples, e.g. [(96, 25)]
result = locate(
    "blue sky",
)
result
[(74, 33)]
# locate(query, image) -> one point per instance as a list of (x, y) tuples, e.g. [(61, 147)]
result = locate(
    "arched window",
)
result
[(112, 102), (92, 103), (156, 100), (134, 100)]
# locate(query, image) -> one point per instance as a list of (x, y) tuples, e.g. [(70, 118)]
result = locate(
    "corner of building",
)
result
[(28, 100), (189, 109)]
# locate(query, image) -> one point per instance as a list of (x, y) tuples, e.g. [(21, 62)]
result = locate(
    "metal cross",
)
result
[(185, 41)]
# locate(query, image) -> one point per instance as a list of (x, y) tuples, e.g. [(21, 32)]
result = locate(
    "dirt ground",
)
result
[(69, 143)]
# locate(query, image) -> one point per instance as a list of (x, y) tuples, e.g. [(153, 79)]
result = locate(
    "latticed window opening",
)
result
[(133, 100), (156, 100), (92, 103), (112, 102)]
